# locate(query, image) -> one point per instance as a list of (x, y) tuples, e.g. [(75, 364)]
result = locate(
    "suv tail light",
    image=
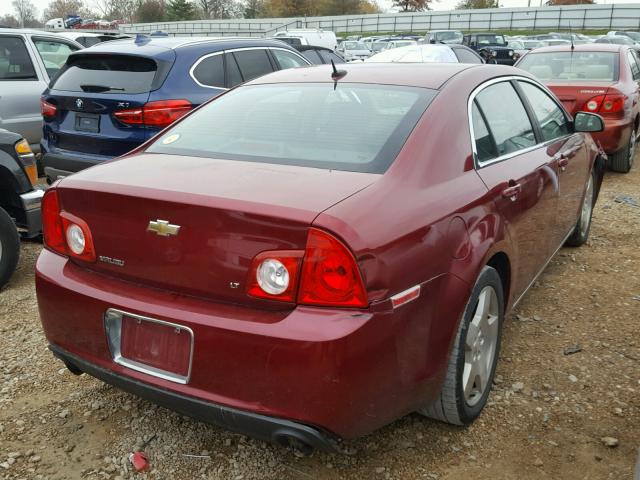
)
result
[(327, 270), (603, 104), (160, 113), (47, 109), (64, 233)]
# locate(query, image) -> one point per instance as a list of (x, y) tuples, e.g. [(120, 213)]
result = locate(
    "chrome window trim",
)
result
[(477, 163), (222, 52), (198, 62), (113, 329)]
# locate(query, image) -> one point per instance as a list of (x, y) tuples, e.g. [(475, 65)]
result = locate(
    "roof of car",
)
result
[(150, 44), (425, 75), (29, 31), (586, 47)]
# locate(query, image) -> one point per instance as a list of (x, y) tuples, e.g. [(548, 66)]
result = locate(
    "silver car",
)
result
[(28, 60)]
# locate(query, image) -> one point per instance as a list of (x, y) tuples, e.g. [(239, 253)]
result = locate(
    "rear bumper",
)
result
[(64, 163), (346, 372), (615, 135), (268, 429)]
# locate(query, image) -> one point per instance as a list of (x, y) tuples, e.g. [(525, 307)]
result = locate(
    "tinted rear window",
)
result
[(568, 66), (107, 74), (356, 127)]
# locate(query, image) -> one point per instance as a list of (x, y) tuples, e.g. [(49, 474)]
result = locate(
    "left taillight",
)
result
[(28, 160), (161, 113), (47, 109), (63, 232)]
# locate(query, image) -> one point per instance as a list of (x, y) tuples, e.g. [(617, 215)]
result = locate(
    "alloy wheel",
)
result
[(587, 206), (480, 346)]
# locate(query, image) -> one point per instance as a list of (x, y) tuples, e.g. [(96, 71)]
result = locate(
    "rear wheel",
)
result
[(581, 232), (473, 358), (9, 247), (622, 161)]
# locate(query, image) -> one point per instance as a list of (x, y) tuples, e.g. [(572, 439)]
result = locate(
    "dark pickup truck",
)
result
[(20, 199), (491, 46)]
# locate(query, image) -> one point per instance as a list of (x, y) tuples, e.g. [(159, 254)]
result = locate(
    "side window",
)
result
[(15, 63), (53, 53), (233, 72), (312, 56), (550, 116), (485, 146), (253, 63), (287, 59), (635, 69), (506, 118), (210, 71), (328, 56), (465, 56)]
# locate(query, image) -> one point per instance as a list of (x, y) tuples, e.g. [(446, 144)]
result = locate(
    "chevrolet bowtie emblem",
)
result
[(163, 228)]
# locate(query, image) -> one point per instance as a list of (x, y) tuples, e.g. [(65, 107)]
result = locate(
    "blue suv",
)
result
[(112, 97)]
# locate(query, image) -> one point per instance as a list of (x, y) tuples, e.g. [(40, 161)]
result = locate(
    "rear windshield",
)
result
[(107, 74), (568, 66), (354, 127)]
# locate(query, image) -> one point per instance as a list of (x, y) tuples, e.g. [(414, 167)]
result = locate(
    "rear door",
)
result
[(567, 153), (517, 172), (21, 83), (88, 93)]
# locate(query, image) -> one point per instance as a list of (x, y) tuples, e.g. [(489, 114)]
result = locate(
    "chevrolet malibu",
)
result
[(311, 281)]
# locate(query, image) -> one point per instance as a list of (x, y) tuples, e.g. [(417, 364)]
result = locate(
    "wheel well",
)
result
[(501, 263)]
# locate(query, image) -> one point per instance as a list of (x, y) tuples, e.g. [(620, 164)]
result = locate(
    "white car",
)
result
[(399, 43), (427, 53), (318, 38), (352, 51)]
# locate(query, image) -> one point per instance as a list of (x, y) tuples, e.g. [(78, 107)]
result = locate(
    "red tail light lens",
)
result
[(156, 114), (605, 104), (330, 275), (47, 109), (52, 230), (64, 233), (274, 275)]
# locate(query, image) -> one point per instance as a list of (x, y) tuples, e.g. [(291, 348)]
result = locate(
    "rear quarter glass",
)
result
[(114, 74), (354, 127)]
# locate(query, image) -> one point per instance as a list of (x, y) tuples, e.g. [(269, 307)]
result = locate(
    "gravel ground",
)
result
[(565, 404)]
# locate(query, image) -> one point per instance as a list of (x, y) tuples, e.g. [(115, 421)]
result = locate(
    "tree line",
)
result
[(142, 11)]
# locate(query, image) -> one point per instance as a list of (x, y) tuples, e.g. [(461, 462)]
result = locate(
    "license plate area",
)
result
[(87, 122), (155, 347)]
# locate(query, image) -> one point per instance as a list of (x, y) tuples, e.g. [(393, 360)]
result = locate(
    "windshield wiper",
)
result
[(99, 88)]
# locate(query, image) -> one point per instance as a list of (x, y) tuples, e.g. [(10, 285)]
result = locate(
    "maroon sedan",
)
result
[(596, 78), (311, 256)]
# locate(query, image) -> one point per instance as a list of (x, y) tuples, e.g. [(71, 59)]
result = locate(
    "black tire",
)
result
[(9, 247), (451, 405), (622, 161), (580, 233)]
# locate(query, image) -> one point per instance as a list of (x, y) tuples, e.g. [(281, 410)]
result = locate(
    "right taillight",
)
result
[(64, 233), (160, 113), (47, 109), (603, 104), (324, 274), (330, 275)]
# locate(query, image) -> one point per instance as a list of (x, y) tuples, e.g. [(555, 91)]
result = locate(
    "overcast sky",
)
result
[(5, 5)]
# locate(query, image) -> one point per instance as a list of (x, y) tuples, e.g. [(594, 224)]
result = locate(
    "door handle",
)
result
[(512, 191), (563, 162)]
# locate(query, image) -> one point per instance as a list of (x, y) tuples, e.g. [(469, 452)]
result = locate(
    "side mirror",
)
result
[(588, 122), (473, 44), (432, 40)]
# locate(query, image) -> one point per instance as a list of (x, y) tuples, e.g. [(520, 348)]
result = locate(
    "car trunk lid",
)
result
[(574, 97), (227, 212)]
